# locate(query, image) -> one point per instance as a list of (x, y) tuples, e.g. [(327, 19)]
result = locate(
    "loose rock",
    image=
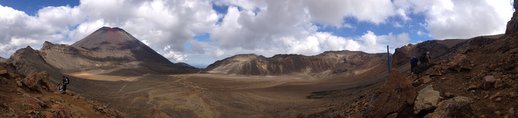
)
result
[(427, 99), (489, 82), (37, 81), (457, 107)]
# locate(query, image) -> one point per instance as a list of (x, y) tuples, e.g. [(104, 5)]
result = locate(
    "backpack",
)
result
[(66, 81)]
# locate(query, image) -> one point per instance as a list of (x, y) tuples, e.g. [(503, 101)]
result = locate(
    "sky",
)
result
[(200, 32)]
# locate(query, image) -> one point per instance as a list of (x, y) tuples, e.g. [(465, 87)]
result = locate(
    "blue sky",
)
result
[(200, 32), (31, 7)]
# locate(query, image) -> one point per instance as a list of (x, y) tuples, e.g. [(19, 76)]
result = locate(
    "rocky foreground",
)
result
[(35, 95), (477, 77)]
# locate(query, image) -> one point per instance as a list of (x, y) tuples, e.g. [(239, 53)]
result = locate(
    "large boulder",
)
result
[(426, 100), (395, 96), (512, 25), (38, 82), (457, 107)]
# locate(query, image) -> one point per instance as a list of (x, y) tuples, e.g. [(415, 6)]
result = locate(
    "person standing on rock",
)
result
[(64, 84), (413, 64)]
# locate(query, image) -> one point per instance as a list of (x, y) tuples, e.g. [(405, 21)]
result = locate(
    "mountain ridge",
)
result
[(326, 63)]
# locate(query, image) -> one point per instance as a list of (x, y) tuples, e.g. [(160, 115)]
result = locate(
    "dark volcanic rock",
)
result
[(330, 62), (512, 25)]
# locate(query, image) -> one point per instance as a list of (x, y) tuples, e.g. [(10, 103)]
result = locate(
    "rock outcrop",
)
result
[(426, 100), (331, 62), (38, 82), (397, 95), (512, 25), (28, 60)]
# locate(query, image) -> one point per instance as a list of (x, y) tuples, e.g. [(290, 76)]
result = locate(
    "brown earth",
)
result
[(35, 96), (218, 95), (222, 95)]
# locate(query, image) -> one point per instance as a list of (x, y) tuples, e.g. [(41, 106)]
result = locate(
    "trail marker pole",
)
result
[(388, 59)]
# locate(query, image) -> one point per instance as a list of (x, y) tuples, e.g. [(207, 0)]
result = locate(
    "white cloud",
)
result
[(61, 16), (332, 12), (171, 54), (373, 43), (245, 29), (319, 42), (16, 43), (19, 30), (461, 18)]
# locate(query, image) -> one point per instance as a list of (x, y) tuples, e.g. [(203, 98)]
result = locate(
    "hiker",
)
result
[(64, 84), (413, 64), (425, 58)]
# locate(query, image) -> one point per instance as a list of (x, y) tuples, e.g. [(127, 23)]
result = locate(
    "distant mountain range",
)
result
[(322, 65)]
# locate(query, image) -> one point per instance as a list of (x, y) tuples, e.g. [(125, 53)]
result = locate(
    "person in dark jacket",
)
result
[(64, 84), (413, 64)]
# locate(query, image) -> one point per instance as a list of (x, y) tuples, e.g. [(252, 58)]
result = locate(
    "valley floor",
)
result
[(213, 95)]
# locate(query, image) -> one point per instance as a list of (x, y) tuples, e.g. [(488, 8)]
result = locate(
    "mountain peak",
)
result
[(116, 46), (107, 38), (104, 28)]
